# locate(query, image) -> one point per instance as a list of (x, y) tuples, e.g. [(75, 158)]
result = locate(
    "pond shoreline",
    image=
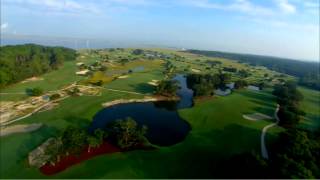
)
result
[(73, 159), (145, 99)]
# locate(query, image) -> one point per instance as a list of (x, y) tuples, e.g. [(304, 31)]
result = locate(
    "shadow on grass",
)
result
[(204, 151), (265, 110), (143, 88), (199, 156), (78, 121), (311, 122), (44, 133), (36, 139), (263, 103), (261, 96)]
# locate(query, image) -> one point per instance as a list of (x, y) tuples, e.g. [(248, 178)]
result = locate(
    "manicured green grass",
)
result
[(218, 131), (311, 106), (137, 82), (76, 111), (52, 81), (192, 61), (218, 128)]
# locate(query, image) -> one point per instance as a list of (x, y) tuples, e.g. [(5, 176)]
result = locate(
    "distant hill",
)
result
[(23, 61), (307, 72)]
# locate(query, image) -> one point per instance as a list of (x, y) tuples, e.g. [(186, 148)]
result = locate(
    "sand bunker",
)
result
[(153, 82), (112, 65), (49, 107), (32, 79), (256, 117), (123, 77), (22, 128), (195, 70)]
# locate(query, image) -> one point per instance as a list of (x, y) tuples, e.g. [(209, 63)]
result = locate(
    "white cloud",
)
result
[(285, 6), (61, 6), (310, 4), (244, 6), (288, 26), (131, 2), (250, 8), (4, 26)]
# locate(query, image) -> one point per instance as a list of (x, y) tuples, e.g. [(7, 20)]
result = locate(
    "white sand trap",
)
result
[(49, 107), (195, 70), (153, 82), (256, 117), (32, 79), (22, 128), (112, 65), (123, 77)]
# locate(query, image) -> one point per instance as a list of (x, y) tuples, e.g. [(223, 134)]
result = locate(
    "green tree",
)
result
[(296, 155), (74, 139), (54, 151), (167, 88), (24, 61), (240, 84), (100, 134), (54, 96), (96, 140), (74, 91), (137, 52), (93, 142), (288, 97), (34, 91), (127, 133)]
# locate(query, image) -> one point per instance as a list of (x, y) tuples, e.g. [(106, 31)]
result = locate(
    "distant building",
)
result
[(150, 55), (83, 72), (231, 85), (80, 64), (254, 88), (46, 98), (220, 92)]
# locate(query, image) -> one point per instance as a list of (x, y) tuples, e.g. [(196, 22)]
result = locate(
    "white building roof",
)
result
[(254, 88), (83, 72)]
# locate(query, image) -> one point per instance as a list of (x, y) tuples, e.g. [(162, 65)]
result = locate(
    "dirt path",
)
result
[(12, 93), (70, 86), (114, 90), (122, 91), (264, 150), (34, 111), (22, 128)]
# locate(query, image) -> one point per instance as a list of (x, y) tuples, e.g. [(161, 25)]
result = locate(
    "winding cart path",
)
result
[(264, 150)]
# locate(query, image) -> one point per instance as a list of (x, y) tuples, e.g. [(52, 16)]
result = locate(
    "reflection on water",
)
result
[(165, 127)]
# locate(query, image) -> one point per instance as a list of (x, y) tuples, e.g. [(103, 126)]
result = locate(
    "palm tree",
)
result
[(100, 134), (93, 142), (53, 151)]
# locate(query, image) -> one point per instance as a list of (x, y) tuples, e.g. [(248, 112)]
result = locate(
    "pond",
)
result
[(138, 69), (165, 126)]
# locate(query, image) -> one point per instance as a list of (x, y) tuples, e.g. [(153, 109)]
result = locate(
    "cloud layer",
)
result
[(202, 22)]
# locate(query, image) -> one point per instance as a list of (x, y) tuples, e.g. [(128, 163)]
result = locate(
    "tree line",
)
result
[(24, 61), (295, 154), (125, 134), (307, 72), (288, 97), (205, 84)]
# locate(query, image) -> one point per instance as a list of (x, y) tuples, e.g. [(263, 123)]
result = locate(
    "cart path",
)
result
[(33, 112), (47, 104), (264, 150)]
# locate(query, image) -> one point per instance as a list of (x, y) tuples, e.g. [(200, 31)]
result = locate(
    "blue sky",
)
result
[(286, 28)]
